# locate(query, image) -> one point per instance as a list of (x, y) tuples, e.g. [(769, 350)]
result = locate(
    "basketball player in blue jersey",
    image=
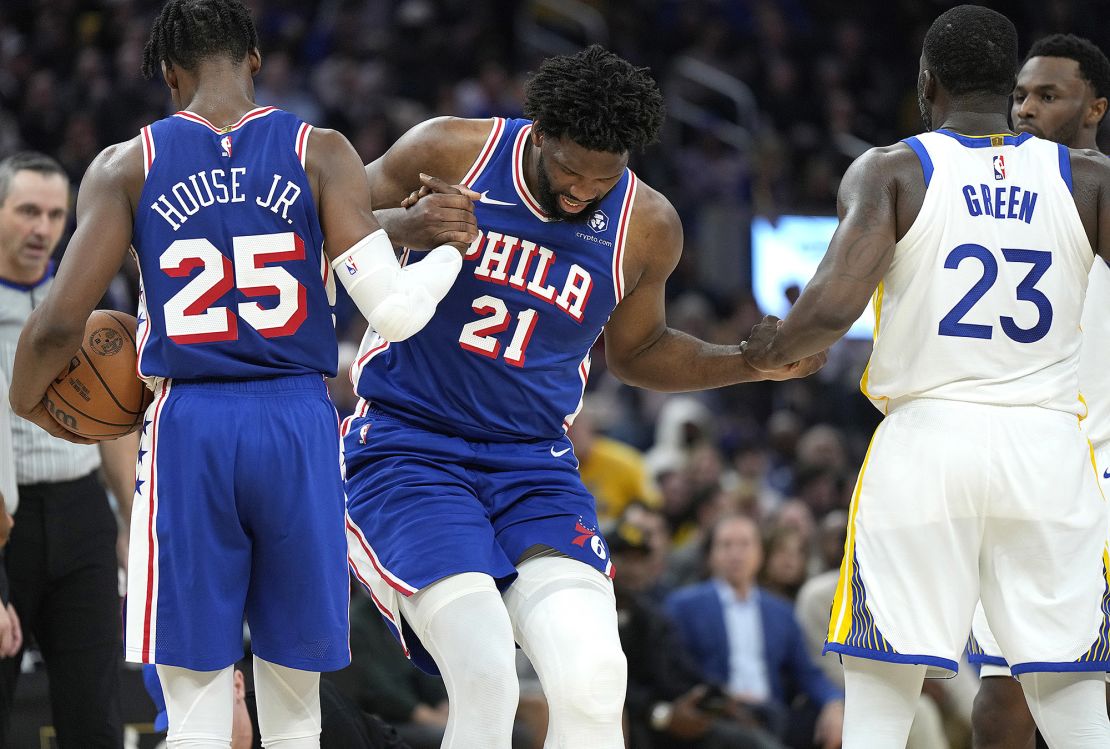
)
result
[(976, 244), (469, 522), (239, 505), (1061, 95)]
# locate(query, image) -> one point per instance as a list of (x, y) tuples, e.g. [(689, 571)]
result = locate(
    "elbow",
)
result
[(400, 316), (47, 334)]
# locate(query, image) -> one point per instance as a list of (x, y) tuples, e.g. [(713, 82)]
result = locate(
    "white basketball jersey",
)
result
[(983, 298), (1094, 362)]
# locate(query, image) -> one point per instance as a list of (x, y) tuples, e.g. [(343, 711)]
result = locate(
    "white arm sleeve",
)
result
[(396, 301)]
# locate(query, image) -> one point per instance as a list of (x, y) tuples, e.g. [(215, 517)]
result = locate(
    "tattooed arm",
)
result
[(857, 259)]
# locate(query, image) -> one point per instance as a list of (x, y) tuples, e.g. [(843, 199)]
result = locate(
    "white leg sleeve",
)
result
[(462, 622), (1069, 708), (880, 700), (565, 617), (396, 301), (198, 706), (288, 706)]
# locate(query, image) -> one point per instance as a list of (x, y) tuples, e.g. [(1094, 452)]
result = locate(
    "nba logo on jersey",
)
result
[(225, 144), (599, 222), (999, 167), (349, 264)]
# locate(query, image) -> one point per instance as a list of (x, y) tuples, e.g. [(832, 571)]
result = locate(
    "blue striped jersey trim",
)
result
[(864, 633), (923, 156), (1100, 651), (985, 141), (874, 655), (1065, 166)]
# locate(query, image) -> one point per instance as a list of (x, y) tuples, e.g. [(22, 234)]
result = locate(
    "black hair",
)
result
[(189, 31), (1093, 65), (973, 50), (27, 161), (596, 99)]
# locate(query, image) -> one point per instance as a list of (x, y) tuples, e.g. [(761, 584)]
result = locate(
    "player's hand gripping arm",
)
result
[(639, 347), (53, 332), (396, 301), (419, 211), (857, 259)]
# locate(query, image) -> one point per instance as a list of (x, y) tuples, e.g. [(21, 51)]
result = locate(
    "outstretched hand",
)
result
[(441, 214), (758, 354)]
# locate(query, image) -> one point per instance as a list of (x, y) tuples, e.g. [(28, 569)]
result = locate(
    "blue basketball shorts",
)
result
[(424, 505), (239, 513)]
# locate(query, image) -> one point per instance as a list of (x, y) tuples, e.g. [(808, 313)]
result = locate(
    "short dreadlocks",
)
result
[(188, 31), (596, 99)]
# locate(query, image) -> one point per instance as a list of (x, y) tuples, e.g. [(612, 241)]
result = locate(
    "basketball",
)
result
[(98, 394)]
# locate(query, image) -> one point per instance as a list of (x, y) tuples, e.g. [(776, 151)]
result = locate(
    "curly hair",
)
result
[(597, 99), (1093, 65), (971, 50), (188, 31)]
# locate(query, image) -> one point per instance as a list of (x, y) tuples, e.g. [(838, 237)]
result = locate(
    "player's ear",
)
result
[(254, 59), (169, 73), (928, 84), (1096, 112), (537, 134)]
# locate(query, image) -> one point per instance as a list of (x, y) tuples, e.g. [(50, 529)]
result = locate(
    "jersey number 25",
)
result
[(190, 318)]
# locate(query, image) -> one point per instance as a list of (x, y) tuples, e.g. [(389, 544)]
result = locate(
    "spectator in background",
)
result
[(669, 703), (785, 563), (612, 471), (657, 535), (748, 640)]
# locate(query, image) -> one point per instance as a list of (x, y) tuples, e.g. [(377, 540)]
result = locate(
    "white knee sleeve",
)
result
[(288, 706), (880, 700), (565, 617), (396, 301), (1069, 708), (462, 622), (198, 706)]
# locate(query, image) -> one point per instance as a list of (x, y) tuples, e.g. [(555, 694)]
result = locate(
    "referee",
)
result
[(61, 558)]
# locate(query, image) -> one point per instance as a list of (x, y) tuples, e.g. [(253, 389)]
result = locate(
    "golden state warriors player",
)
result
[(977, 244), (1061, 95), (239, 505), (462, 483)]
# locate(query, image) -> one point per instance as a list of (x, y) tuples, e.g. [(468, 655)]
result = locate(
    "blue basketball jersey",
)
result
[(234, 281), (507, 354)]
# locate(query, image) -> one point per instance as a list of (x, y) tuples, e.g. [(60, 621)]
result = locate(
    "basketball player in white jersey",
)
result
[(1061, 95), (976, 243)]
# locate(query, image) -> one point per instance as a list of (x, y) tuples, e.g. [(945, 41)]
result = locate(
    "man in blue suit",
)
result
[(748, 641)]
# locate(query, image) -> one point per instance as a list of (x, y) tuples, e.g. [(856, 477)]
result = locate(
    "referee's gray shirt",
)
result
[(39, 457)]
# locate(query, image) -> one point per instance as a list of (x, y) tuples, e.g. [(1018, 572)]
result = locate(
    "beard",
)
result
[(549, 199), (924, 107)]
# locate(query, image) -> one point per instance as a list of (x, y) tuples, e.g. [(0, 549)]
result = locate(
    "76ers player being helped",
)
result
[(462, 483), (239, 505)]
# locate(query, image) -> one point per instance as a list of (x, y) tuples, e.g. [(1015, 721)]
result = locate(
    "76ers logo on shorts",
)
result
[(1000, 167), (596, 543)]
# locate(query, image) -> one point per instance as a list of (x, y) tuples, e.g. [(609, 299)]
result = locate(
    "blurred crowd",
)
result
[(769, 99)]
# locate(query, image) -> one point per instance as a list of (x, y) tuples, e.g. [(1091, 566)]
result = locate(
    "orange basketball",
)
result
[(99, 395)]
